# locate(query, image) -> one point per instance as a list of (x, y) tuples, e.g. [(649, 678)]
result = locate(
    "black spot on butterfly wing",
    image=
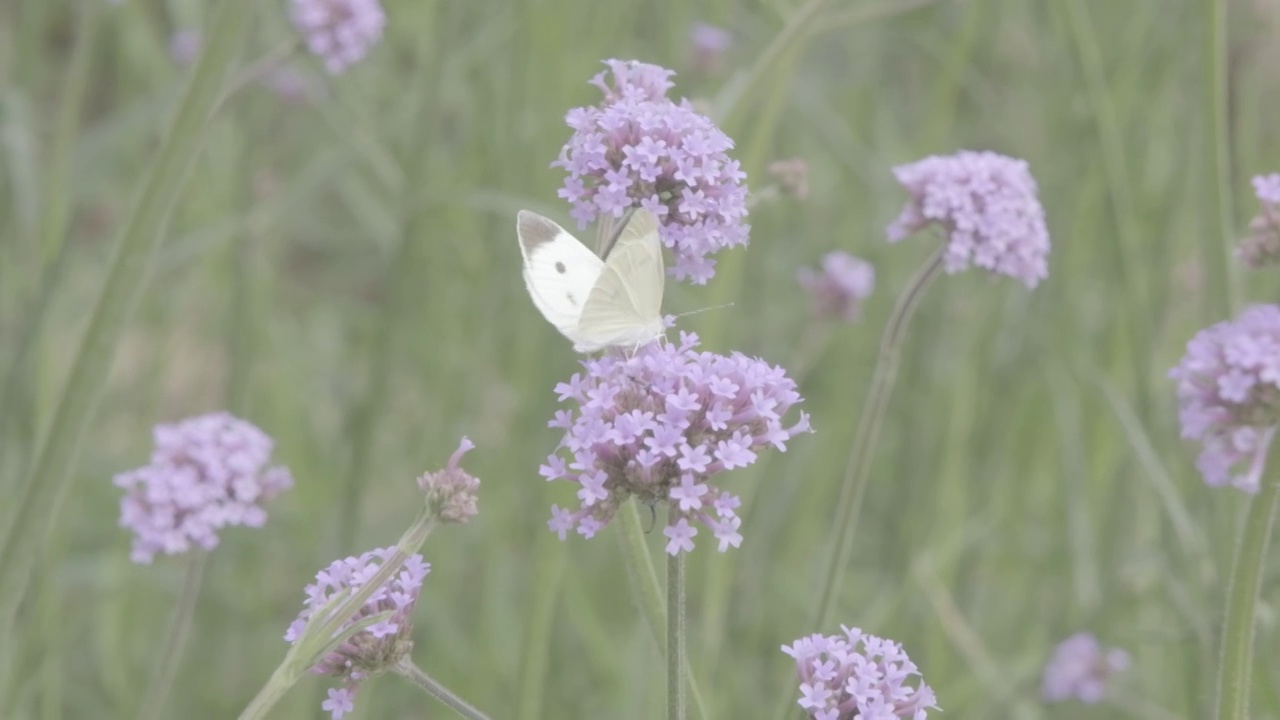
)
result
[(560, 267)]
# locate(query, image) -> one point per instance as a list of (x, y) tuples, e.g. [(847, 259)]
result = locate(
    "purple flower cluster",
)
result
[(1261, 247), (857, 677), (640, 148), (206, 473), (380, 645), (1080, 669), (659, 425), (838, 289), (339, 32), (1229, 395), (987, 206), (707, 47)]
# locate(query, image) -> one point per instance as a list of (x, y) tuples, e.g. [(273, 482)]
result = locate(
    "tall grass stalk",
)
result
[(47, 485), (862, 451)]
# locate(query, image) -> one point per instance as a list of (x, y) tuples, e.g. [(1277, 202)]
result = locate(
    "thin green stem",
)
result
[(406, 669), (1235, 669), (179, 631), (675, 638), (1216, 99), (858, 467), (647, 592), (46, 486), (317, 636)]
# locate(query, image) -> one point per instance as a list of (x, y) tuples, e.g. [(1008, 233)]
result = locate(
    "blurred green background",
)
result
[(341, 270)]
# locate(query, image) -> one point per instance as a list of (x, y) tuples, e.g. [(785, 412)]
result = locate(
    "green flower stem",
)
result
[(406, 669), (40, 498), (648, 594), (858, 467), (179, 631), (675, 637), (1235, 669), (314, 640)]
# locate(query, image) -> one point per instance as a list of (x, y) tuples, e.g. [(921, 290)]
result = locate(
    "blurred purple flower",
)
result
[(638, 148), (291, 84), (184, 45), (792, 176), (339, 32), (1229, 396), (1080, 669), (206, 473), (1261, 247), (857, 677), (451, 492), (659, 426), (707, 46), (380, 645), (987, 206), (838, 289)]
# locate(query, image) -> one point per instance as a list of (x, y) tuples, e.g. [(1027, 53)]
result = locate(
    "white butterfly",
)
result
[(595, 303)]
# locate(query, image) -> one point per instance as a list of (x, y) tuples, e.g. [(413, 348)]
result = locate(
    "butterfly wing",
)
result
[(559, 271), (625, 306)]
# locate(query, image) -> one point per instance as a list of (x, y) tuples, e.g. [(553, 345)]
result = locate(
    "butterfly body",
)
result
[(615, 302)]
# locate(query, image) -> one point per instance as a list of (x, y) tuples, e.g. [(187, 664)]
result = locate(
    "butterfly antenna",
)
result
[(610, 229), (702, 310)]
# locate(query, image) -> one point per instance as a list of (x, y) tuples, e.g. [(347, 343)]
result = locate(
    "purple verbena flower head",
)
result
[(1261, 247), (339, 32), (1081, 669), (639, 148), (452, 492), (206, 473), (707, 47), (377, 647), (1229, 396), (858, 677), (840, 287), (659, 426), (987, 207)]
